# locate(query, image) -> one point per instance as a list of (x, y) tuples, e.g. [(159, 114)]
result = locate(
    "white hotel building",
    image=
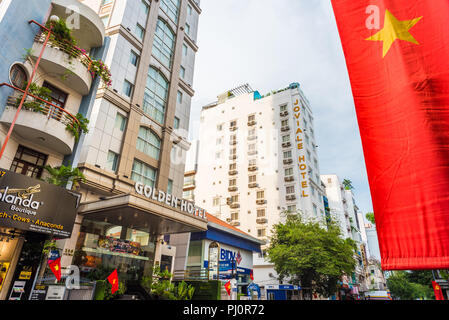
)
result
[(257, 158)]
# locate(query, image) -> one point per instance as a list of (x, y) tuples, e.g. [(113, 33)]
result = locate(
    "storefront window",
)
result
[(102, 247)]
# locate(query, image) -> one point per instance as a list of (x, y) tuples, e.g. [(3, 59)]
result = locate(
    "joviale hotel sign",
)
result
[(299, 134)]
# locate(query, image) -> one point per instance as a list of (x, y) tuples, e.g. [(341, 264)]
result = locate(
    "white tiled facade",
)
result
[(260, 192)]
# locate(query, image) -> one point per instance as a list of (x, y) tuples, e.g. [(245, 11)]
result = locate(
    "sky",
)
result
[(270, 44)]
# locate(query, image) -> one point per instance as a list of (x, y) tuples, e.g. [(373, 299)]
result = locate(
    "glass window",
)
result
[(145, 7), (155, 96), (284, 123), (288, 172), (28, 162), (120, 122), (179, 97), (252, 179), (260, 213), (216, 201), (184, 49), (18, 76), (234, 216), (287, 154), (290, 189), (187, 29), (134, 58), (189, 9), (291, 208), (170, 186), (176, 123), (261, 232), (140, 31), (286, 138), (232, 182), (260, 194), (182, 72), (164, 43), (104, 2), (105, 20), (143, 173), (148, 143), (171, 8), (112, 161), (127, 88), (283, 108)]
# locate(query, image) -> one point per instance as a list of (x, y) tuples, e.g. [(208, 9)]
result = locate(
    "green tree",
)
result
[(347, 184), (161, 286), (60, 176), (401, 287), (370, 217), (310, 255)]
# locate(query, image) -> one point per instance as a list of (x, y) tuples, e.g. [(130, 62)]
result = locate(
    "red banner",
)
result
[(437, 290), (113, 280), (397, 55), (55, 267), (228, 287)]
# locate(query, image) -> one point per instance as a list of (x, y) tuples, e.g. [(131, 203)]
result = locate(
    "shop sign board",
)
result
[(55, 293), (34, 205)]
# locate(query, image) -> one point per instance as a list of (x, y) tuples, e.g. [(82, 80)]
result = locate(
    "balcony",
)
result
[(252, 137), (252, 168), (233, 157), (285, 128), (253, 185), (64, 61), (234, 223), (232, 189), (233, 142), (232, 172), (261, 220), (261, 201), (284, 114), (290, 197), (288, 161), (90, 32), (289, 179), (233, 128), (252, 152), (252, 123), (43, 124), (234, 205), (286, 144)]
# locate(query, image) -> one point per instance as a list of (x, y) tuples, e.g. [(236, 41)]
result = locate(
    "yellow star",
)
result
[(394, 30)]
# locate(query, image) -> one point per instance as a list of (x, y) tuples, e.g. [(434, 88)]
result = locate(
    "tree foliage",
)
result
[(60, 176), (370, 217), (161, 287), (310, 255), (410, 285), (347, 184)]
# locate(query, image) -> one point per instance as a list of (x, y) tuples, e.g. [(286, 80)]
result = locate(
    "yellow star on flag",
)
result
[(394, 30), (56, 268)]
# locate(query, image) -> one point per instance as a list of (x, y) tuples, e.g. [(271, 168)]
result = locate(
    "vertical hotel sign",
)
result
[(299, 141)]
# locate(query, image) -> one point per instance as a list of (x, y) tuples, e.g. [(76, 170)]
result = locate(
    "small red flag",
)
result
[(55, 267), (437, 291), (228, 287), (113, 280), (251, 275)]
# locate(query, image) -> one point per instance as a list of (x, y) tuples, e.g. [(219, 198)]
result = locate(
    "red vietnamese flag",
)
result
[(437, 291), (228, 287), (113, 280), (397, 55), (55, 267)]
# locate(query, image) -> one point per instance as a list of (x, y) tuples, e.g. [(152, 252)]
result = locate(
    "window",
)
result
[(164, 42), (216, 201), (134, 58), (251, 118), (252, 162), (260, 194), (179, 97), (252, 132), (140, 31), (148, 143), (182, 72), (233, 138), (184, 50), (313, 190), (170, 186), (232, 182), (105, 20), (232, 151), (145, 7), (283, 108), (307, 139), (260, 213), (155, 96), (18, 76), (235, 199), (232, 166), (290, 189), (287, 154), (176, 123), (28, 162), (189, 9), (219, 140), (291, 208), (288, 172), (120, 122), (261, 232), (143, 173), (127, 88), (284, 123), (219, 127), (234, 216), (105, 2), (252, 147), (233, 124), (57, 97), (252, 179), (315, 162), (187, 29), (171, 9), (218, 155), (286, 138), (315, 211), (112, 161)]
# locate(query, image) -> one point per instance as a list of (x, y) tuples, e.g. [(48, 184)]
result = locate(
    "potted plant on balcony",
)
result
[(34, 104), (100, 69), (60, 176), (76, 127)]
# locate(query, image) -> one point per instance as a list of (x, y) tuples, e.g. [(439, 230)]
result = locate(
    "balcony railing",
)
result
[(286, 144), (233, 157), (252, 168), (261, 201), (261, 220), (288, 161), (284, 113), (252, 122), (234, 205), (232, 172), (232, 189), (234, 223), (253, 185), (252, 137), (233, 142), (285, 128), (290, 197), (289, 179)]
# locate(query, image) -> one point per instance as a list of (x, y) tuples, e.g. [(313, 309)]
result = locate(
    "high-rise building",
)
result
[(258, 158)]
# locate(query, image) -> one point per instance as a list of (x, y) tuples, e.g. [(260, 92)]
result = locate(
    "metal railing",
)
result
[(192, 273)]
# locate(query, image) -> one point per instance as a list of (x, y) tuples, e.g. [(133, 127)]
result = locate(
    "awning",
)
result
[(140, 213)]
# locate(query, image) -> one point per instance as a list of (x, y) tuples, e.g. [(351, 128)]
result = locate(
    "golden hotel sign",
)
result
[(300, 146)]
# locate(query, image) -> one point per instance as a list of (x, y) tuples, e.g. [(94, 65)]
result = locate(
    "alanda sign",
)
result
[(33, 205)]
